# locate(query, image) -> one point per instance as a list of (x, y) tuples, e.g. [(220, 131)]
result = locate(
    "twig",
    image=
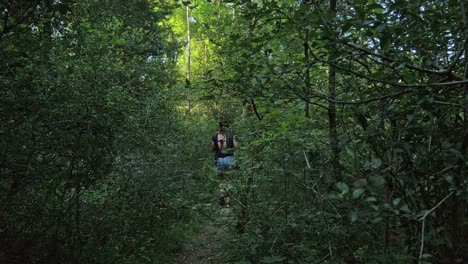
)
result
[(322, 259), (254, 106), (412, 67), (307, 160), (446, 103), (396, 84), (236, 200), (277, 236), (423, 219)]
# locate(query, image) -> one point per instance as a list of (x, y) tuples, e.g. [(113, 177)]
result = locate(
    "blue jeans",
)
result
[(223, 164)]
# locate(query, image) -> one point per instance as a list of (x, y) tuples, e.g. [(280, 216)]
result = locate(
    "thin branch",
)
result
[(412, 67), (435, 207), (254, 106), (306, 99), (460, 52), (322, 259), (423, 219), (234, 198), (446, 103), (405, 85), (307, 160), (367, 100)]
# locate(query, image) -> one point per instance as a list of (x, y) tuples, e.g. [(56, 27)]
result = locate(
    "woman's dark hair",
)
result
[(223, 122)]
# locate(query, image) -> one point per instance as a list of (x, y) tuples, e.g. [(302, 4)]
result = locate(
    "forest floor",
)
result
[(206, 247)]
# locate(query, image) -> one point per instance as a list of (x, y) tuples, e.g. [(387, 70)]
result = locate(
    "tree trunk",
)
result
[(307, 76), (187, 81), (333, 135), (458, 206)]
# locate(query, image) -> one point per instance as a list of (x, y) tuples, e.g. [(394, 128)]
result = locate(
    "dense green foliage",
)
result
[(91, 146), (351, 117), (354, 131)]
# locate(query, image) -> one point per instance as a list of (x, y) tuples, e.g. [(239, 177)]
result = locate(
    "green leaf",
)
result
[(381, 27), (353, 216), (360, 183), (396, 201), (377, 220), (343, 187), (358, 192), (405, 209), (258, 78), (378, 10), (377, 181), (376, 163), (449, 179)]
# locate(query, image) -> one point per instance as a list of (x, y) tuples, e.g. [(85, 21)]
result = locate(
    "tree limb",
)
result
[(254, 106), (423, 219)]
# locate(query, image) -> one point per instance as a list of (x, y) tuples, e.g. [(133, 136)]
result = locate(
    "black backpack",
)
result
[(229, 145)]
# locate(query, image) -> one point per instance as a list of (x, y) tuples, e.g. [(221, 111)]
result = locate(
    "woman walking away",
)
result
[(223, 144)]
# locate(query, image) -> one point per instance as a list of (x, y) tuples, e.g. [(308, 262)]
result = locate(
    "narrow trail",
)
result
[(206, 247)]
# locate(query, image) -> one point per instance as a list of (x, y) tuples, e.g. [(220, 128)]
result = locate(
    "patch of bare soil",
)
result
[(205, 248)]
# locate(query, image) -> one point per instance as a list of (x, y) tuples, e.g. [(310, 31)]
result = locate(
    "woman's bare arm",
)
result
[(235, 142), (212, 146)]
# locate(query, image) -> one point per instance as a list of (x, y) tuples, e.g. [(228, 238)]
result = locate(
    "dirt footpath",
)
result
[(205, 248)]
